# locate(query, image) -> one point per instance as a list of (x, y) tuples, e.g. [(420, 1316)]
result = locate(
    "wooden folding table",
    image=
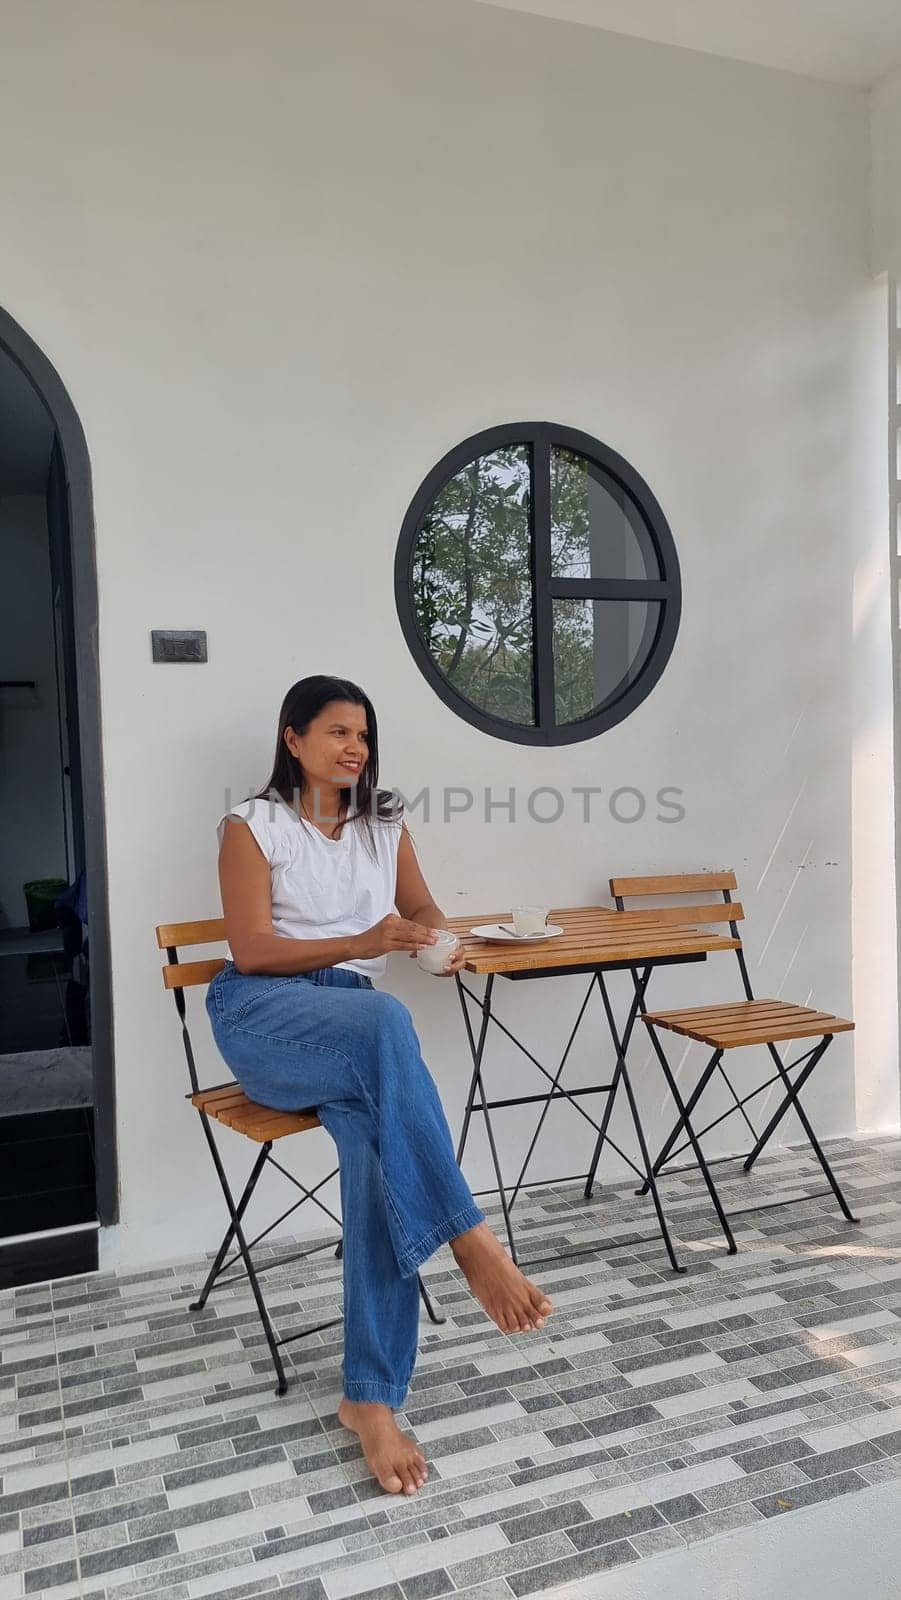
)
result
[(597, 941)]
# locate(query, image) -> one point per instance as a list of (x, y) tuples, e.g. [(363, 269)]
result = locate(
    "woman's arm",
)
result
[(412, 896), (413, 899), (245, 881)]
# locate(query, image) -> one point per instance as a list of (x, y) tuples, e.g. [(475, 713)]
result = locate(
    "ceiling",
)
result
[(26, 434), (843, 41)]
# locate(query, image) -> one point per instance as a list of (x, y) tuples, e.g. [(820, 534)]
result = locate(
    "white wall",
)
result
[(284, 257), (885, 177), (874, 792), (31, 813)]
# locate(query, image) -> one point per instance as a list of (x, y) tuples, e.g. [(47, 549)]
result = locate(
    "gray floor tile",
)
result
[(809, 1494), (652, 1413), (570, 1568)]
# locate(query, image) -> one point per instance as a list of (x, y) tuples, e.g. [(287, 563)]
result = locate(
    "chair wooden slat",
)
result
[(219, 1099), (743, 1011), (674, 883), (171, 935), (749, 1023), (715, 1013), (733, 1027), (234, 1110), (697, 915), (790, 1033), (184, 974)]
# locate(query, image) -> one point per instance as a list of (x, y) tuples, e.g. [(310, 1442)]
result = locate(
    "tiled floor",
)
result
[(143, 1451)]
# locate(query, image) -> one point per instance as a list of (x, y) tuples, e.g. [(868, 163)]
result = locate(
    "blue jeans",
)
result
[(329, 1039)]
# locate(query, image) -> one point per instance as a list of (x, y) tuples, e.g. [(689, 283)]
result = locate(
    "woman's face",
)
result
[(334, 748)]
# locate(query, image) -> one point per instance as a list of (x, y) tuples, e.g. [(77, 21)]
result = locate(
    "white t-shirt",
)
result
[(324, 888)]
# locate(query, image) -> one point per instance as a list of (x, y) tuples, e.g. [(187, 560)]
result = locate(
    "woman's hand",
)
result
[(454, 963), (391, 934)]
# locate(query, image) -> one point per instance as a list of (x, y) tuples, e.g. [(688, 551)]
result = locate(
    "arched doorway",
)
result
[(70, 482)]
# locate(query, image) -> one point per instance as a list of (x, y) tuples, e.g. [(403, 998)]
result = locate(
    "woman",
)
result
[(311, 870)]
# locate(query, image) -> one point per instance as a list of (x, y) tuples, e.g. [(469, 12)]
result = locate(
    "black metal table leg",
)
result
[(620, 1046), (617, 1078), (476, 1051), (477, 1087)]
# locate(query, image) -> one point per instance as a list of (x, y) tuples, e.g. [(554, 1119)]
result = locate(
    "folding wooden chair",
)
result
[(731, 1026), (228, 1105)]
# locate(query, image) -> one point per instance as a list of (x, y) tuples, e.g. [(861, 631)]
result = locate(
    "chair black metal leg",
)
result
[(792, 1091), (693, 1139), (215, 1269), (435, 1315), (739, 1104), (785, 1104), (690, 1104), (281, 1386), (238, 1235)]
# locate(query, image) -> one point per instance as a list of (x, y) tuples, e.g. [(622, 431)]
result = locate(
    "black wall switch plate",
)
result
[(175, 644)]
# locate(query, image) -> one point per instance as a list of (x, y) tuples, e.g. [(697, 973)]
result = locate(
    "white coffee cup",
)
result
[(530, 919), (435, 957)]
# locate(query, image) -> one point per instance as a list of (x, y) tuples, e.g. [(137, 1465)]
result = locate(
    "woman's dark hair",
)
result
[(301, 705)]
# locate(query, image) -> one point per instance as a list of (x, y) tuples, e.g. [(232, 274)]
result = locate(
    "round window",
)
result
[(537, 584)]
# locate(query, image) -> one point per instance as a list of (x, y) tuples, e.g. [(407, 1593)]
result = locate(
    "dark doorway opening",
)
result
[(58, 1180)]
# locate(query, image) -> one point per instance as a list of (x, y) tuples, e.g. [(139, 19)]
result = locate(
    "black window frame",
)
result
[(667, 590)]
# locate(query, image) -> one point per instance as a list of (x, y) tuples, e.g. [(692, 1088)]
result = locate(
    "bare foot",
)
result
[(391, 1456), (497, 1283)]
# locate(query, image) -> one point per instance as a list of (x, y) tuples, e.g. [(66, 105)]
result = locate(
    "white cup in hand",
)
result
[(530, 919), (435, 957)]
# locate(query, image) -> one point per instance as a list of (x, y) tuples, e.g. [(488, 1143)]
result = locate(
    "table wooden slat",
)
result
[(594, 935)]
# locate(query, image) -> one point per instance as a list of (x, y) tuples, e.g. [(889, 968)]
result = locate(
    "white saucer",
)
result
[(503, 933)]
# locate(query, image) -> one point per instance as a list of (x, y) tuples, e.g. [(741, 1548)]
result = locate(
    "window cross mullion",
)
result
[(542, 607), (610, 589)]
